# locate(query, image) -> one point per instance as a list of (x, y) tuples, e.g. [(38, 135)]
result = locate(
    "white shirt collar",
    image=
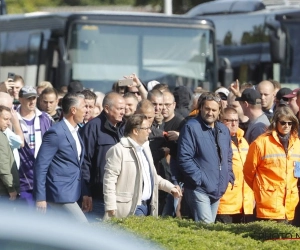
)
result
[(69, 125), (135, 144)]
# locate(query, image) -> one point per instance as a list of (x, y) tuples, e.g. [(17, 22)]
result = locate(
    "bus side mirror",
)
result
[(225, 72), (277, 39), (64, 73)]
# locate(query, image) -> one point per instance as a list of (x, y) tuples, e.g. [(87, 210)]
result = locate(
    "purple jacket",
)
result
[(27, 157)]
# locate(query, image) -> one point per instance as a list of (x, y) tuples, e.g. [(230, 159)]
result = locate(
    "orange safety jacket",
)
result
[(238, 199), (194, 113), (269, 171)]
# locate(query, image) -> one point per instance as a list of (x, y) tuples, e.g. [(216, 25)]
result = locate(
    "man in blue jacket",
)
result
[(205, 159), (58, 166), (99, 135)]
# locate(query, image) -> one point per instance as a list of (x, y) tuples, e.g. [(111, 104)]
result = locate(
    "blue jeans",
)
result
[(142, 210), (202, 207), (171, 204), (98, 211)]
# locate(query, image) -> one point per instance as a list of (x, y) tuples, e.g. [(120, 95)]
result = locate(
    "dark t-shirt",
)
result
[(174, 124), (244, 126)]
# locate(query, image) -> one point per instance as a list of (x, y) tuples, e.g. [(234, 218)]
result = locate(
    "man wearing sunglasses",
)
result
[(223, 93), (205, 159)]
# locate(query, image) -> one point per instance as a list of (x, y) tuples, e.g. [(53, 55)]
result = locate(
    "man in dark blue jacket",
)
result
[(205, 159), (99, 135)]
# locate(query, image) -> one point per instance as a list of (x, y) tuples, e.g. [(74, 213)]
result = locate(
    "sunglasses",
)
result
[(211, 98), (282, 123)]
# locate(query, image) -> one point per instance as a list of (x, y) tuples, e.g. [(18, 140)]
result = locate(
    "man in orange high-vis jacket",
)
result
[(237, 201), (271, 168)]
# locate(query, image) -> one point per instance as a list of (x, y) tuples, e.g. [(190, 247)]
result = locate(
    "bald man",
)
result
[(267, 91), (14, 134)]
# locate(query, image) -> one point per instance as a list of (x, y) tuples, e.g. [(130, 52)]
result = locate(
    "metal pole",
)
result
[(168, 7)]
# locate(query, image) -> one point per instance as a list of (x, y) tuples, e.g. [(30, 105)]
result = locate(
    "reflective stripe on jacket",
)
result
[(238, 199), (269, 171)]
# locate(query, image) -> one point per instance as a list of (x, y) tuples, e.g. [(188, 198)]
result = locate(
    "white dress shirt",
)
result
[(15, 143), (147, 187), (75, 136)]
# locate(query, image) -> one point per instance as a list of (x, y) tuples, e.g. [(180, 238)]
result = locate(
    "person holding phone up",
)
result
[(135, 86), (272, 167), (13, 85)]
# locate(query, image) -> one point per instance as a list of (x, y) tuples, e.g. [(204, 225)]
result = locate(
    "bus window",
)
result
[(32, 68), (100, 54), (34, 49)]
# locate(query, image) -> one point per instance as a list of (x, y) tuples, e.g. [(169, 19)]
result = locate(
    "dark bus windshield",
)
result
[(289, 72), (103, 53)]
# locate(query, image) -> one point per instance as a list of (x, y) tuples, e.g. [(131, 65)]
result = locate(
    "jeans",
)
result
[(171, 204), (98, 211), (169, 207), (202, 207), (142, 210)]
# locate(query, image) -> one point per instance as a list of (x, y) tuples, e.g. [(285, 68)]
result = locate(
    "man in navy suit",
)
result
[(57, 172)]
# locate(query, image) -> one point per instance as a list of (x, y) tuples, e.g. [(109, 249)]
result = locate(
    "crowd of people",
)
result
[(227, 156)]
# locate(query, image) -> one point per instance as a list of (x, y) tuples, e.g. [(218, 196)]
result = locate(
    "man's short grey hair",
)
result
[(70, 100), (110, 98)]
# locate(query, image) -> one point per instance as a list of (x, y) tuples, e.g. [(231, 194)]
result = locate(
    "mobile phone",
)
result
[(125, 82), (11, 75)]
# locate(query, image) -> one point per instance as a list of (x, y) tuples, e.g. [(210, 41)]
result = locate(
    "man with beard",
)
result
[(205, 159)]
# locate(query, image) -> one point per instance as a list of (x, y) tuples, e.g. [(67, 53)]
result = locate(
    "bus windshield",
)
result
[(103, 53), (290, 70)]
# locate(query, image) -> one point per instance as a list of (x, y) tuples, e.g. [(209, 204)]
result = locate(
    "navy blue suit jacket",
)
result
[(57, 170)]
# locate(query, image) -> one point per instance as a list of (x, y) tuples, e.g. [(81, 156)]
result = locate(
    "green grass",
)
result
[(188, 235)]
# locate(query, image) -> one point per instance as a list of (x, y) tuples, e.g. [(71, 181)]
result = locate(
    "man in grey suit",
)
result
[(9, 177), (57, 175)]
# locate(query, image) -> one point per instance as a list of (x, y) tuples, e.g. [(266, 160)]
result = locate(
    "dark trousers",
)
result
[(229, 218), (235, 218)]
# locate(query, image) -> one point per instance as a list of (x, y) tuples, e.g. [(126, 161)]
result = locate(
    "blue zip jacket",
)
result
[(98, 137), (205, 168)]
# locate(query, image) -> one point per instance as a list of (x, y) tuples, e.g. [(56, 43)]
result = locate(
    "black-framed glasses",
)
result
[(282, 123), (231, 120)]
